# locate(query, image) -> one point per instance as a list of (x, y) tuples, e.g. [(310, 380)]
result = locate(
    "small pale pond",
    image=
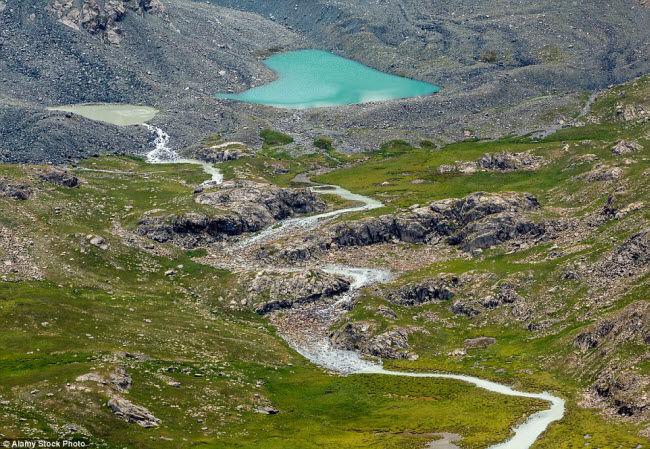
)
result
[(116, 114), (315, 78)]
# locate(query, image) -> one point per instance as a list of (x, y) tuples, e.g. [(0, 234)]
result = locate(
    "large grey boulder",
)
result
[(132, 413)]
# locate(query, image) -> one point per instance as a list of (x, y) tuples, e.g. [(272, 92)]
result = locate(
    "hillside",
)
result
[(142, 307)]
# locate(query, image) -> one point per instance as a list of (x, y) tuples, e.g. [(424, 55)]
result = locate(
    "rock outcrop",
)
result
[(10, 189), (480, 220), (631, 323), (430, 290), (361, 336), (497, 229), (602, 173), (626, 147), (223, 152), (269, 204), (624, 393), (630, 259), (503, 161), (132, 413), (101, 18), (617, 387), (120, 379), (59, 177), (249, 209), (280, 290)]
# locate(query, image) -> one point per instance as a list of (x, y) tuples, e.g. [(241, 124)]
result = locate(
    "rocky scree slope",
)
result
[(172, 55), (504, 68)]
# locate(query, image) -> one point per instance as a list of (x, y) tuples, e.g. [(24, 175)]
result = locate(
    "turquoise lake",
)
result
[(316, 78)]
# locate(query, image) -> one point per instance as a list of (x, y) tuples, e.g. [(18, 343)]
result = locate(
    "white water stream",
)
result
[(319, 349), (163, 154)]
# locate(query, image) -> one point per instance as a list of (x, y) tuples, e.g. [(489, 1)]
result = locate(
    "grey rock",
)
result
[(98, 241), (622, 391), (266, 410), (250, 209), (132, 413), (223, 152), (629, 259), (630, 324), (479, 342), (602, 173), (626, 147), (386, 312), (495, 230), (120, 379), (59, 177), (19, 192), (361, 336), (503, 161), (417, 293), (472, 222), (284, 290)]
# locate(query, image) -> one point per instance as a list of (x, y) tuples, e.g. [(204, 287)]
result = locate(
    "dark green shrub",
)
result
[(323, 143), (490, 57), (272, 137)]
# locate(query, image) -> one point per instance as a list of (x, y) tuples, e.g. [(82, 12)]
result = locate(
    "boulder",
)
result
[(266, 410), (479, 342), (59, 177), (626, 147), (19, 192), (132, 413)]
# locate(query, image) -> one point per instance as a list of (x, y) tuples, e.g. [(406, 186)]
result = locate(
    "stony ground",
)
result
[(505, 68)]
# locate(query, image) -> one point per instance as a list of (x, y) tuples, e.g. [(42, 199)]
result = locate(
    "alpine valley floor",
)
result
[(140, 307)]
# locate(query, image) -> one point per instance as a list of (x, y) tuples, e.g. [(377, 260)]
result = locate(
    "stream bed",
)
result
[(314, 343)]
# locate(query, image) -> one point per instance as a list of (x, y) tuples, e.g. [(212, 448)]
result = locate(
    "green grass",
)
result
[(273, 138), (95, 305)]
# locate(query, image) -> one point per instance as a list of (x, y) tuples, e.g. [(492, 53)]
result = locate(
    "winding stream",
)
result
[(315, 345)]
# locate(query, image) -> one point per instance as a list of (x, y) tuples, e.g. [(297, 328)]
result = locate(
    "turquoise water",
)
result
[(315, 78)]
